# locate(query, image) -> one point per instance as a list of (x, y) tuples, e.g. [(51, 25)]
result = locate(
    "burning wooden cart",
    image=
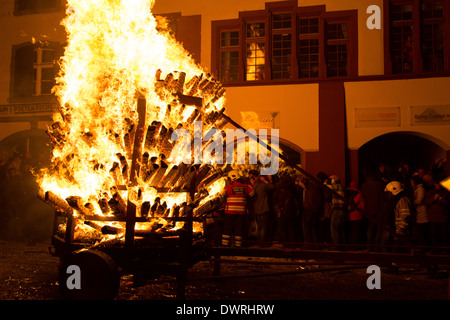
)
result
[(148, 255), (121, 231)]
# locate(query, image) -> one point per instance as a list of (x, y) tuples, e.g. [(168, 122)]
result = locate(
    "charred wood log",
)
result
[(193, 90), (153, 168), (182, 169), (186, 180), (108, 229), (168, 177), (145, 209), (168, 85), (114, 171), (175, 211), (76, 203), (118, 205), (129, 136), (104, 206), (56, 142), (56, 202), (159, 173), (180, 84), (202, 173), (152, 131)]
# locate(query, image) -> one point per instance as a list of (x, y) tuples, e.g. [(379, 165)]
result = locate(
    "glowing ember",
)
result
[(117, 51)]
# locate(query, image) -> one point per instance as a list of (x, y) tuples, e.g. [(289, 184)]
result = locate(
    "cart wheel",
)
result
[(98, 276)]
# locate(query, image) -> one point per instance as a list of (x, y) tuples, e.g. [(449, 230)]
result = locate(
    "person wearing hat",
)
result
[(402, 208), (236, 193)]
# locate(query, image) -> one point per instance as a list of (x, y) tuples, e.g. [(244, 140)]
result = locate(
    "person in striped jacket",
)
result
[(234, 224)]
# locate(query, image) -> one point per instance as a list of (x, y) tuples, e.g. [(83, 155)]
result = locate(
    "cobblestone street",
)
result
[(29, 272)]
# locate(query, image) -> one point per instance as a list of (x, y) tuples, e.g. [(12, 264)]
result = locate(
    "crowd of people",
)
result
[(390, 207), (23, 217)]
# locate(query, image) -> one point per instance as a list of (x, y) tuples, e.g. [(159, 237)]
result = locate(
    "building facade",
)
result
[(348, 83)]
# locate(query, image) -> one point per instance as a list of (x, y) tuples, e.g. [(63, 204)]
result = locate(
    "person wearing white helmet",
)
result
[(402, 208), (234, 175)]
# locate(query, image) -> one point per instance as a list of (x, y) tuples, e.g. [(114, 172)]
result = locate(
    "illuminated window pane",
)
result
[(256, 30), (255, 61)]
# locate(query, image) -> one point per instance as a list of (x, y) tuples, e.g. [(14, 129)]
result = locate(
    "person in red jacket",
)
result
[(235, 209)]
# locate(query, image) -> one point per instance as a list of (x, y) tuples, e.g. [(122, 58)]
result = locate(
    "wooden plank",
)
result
[(189, 100), (135, 166)]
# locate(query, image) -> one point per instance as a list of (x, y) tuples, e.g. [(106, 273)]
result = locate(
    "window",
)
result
[(43, 71), (255, 51), (402, 38), (285, 43), (34, 69), (337, 48), (433, 36), (282, 46), (309, 47), (229, 56), (417, 39)]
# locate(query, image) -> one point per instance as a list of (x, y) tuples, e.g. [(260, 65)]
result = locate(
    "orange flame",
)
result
[(114, 50)]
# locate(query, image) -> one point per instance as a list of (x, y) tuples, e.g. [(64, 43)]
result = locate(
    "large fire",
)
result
[(117, 53)]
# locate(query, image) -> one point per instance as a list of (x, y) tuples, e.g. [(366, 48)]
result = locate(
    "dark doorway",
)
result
[(394, 149)]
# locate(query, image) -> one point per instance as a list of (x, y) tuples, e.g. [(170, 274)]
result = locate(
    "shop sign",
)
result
[(27, 109), (430, 115), (377, 117)]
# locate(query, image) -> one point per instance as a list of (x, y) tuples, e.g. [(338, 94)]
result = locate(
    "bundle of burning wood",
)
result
[(146, 162)]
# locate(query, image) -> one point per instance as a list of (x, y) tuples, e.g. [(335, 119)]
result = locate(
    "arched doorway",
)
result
[(23, 215), (290, 151), (394, 149)]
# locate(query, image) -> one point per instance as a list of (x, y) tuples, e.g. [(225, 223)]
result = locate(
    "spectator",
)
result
[(235, 211), (312, 211), (436, 202), (299, 196), (402, 210), (428, 182), (438, 169), (375, 210), (324, 234), (263, 187), (421, 173), (286, 210), (355, 217), (421, 228), (384, 174), (338, 212), (404, 177)]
